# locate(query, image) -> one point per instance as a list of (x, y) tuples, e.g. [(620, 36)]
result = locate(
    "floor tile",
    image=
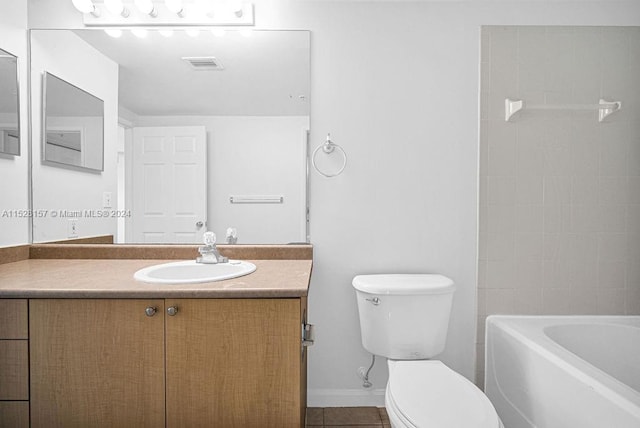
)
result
[(315, 416), (384, 416), (354, 426), (352, 416)]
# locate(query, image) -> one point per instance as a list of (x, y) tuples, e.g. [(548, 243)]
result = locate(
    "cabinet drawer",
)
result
[(13, 319), (14, 414), (14, 370)]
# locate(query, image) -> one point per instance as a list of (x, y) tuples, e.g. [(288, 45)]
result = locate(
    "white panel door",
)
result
[(169, 184)]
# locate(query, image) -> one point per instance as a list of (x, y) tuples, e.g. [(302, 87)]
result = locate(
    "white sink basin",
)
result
[(190, 272)]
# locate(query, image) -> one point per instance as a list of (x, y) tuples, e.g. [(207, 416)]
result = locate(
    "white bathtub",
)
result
[(564, 371)]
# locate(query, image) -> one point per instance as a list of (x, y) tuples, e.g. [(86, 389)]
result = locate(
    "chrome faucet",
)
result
[(209, 253)]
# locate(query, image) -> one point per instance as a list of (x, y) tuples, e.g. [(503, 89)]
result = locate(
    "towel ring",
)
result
[(329, 147)]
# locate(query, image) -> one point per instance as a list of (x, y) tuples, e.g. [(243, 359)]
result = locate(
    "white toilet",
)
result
[(405, 319)]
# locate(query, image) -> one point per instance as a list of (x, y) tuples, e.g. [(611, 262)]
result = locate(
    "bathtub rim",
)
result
[(585, 372)]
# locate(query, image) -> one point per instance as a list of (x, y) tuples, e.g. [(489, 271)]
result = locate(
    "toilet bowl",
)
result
[(405, 318)]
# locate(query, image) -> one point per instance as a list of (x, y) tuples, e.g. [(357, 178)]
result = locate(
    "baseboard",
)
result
[(345, 397)]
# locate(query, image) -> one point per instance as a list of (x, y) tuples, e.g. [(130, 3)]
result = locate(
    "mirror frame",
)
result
[(46, 161), (19, 151)]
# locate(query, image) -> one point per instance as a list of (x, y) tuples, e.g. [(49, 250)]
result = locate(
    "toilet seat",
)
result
[(428, 394)]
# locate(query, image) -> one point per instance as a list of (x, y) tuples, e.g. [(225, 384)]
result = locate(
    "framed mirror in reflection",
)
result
[(203, 133), (73, 125), (9, 105)]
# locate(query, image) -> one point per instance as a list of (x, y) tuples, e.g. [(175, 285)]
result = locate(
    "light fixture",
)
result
[(146, 7), (86, 6), (192, 32), (218, 32), (116, 7), (113, 32), (140, 33), (163, 13), (175, 6), (166, 32)]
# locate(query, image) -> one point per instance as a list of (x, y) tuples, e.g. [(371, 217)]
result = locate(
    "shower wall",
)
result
[(559, 190)]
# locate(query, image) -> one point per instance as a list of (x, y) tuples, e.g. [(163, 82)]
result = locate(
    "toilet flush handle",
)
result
[(375, 301)]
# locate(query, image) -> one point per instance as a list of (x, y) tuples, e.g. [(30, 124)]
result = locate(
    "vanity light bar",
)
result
[(241, 15)]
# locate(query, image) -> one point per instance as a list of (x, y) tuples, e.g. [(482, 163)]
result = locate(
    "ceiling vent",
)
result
[(204, 62)]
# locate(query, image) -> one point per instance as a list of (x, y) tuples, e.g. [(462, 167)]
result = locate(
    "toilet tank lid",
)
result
[(404, 284)]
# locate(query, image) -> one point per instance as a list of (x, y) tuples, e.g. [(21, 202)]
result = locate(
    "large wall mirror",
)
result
[(202, 131), (9, 105)]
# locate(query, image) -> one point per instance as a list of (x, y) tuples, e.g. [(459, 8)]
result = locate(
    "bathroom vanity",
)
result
[(90, 346)]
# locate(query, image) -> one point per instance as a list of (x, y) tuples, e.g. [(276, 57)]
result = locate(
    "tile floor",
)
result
[(347, 417)]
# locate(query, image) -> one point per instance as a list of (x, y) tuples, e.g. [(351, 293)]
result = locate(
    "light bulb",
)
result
[(200, 7), (192, 32), (236, 8), (86, 6), (116, 7), (146, 7), (175, 6), (218, 32), (113, 32), (166, 32), (140, 33)]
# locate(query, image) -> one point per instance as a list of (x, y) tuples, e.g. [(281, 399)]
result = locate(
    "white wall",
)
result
[(57, 188), (14, 170), (235, 145), (396, 84)]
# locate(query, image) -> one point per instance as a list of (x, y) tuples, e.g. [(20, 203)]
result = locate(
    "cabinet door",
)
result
[(303, 365), (96, 363), (13, 319), (233, 363), (14, 414)]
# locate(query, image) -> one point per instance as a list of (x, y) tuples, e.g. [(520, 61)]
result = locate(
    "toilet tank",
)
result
[(404, 316)]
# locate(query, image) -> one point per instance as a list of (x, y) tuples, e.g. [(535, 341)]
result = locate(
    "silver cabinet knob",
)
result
[(172, 310), (150, 311), (199, 225)]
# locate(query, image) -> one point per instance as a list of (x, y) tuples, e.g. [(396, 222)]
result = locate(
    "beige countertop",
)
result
[(110, 278)]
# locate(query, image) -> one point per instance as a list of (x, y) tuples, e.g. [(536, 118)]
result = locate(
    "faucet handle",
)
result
[(209, 238), (232, 235)]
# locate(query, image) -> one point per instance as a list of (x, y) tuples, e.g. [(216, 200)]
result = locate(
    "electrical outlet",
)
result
[(106, 200), (72, 228)]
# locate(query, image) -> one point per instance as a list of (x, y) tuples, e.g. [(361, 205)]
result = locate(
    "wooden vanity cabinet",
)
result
[(194, 363), (14, 364)]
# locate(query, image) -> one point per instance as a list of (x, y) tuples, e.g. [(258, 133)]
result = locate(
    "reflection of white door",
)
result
[(169, 198)]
